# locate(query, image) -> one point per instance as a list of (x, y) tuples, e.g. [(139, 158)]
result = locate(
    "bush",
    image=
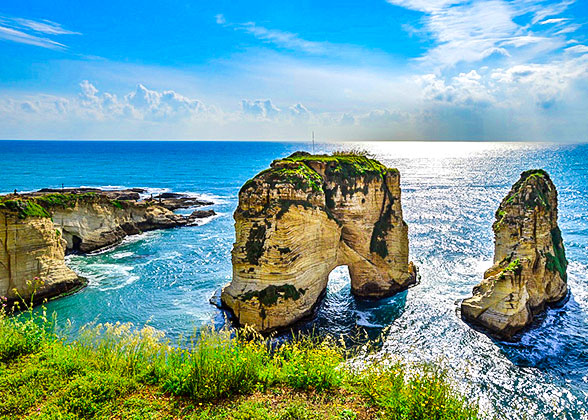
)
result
[(107, 367), (423, 394)]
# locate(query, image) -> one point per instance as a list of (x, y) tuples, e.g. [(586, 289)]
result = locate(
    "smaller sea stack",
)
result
[(529, 270)]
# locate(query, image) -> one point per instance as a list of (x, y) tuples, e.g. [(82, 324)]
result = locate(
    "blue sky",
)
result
[(253, 70)]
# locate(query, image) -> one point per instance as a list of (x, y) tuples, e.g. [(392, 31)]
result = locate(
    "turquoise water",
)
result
[(450, 193)]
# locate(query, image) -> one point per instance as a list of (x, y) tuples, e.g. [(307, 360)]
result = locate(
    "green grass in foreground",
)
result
[(118, 372)]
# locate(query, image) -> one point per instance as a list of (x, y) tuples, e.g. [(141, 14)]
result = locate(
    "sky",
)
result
[(513, 70)]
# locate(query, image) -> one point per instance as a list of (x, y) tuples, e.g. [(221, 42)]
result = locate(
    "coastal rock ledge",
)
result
[(38, 229), (303, 217), (529, 270)]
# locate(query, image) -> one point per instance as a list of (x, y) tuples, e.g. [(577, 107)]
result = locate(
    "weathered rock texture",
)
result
[(37, 230), (529, 270), (32, 255), (305, 216)]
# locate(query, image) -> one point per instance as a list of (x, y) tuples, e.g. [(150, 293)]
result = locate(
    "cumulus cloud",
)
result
[(260, 108), (300, 111), (33, 32), (546, 84), (465, 89), (142, 103)]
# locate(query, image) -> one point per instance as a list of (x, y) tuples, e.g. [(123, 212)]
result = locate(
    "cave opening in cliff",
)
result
[(76, 242)]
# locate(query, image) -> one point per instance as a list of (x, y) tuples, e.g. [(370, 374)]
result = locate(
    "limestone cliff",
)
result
[(305, 216), (37, 230), (93, 222), (530, 265), (32, 255)]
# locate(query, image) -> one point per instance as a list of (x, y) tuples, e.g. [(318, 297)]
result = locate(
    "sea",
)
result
[(450, 191)]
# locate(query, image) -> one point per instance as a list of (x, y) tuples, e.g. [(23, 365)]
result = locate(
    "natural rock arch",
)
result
[(302, 218)]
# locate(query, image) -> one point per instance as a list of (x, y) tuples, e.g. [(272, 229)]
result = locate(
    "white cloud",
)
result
[(260, 108), (578, 49), (473, 31), (282, 39), (142, 103), (20, 37), (277, 37), (299, 111), (430, 6), (44, 26), (552, 21), (32, 32), (466, 89), (294, 42), (543, 10), (545, 84)]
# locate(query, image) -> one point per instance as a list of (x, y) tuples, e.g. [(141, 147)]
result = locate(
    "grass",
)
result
[(41, 206), (24, 208), (341, 166), (115, 371)]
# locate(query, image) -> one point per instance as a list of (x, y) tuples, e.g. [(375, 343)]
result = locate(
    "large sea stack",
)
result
[(301, 218), (529, 270)]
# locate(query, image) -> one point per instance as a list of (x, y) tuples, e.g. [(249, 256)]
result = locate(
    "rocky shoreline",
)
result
[(38, 229)]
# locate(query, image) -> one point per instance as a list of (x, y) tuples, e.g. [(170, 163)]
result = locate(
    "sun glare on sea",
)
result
[(435, 150)]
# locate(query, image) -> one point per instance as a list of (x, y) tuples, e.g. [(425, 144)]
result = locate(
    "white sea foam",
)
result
[(105, 277), (363, 320), (206, 220), (120, 255)]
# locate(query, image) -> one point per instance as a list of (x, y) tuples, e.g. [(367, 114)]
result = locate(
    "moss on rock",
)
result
[(270, 295), (24, 208), (558, 262), (254, 244)]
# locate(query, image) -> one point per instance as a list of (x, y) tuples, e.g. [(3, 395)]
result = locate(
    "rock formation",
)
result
[(305, 216), (529, 270), (37, 229), (32, 255)]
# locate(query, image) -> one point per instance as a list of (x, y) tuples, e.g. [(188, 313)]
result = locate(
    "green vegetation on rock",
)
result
[(558, 262), (514, 267), (119, 372), (41, 206), (295, 169), (378, 240), (24, 208), (254, 244), (348, 165), (538, 195), (68, 200), (270, 295)]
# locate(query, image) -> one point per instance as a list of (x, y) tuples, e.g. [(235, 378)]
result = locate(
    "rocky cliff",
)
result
[(529, 270), (32, 255), (37, 229), (305, 216)]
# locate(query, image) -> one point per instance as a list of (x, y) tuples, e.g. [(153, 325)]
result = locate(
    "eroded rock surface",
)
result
[(39, 228), (305, 216), (529, 270), (32, 255)]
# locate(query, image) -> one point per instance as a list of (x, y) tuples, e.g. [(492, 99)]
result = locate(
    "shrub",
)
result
[(47, 376)]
